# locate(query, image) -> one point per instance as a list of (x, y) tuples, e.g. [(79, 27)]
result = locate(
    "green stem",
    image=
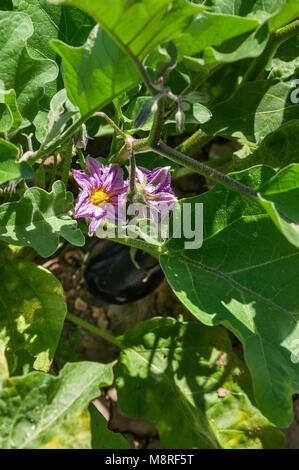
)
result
[(156, 129), (217, 163), (194, 143), (276, 39), (153, 250), (93, 329), (67, 155), (198, 167), (81, 158)]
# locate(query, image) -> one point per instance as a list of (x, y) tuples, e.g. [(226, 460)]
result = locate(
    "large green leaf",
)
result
[(138, 27), (102, 438), (268, 107), (39, 219), (110, 72), (18, 70), (32, 406), (32, 312), (9, 168), (186, 380), (244, 276)]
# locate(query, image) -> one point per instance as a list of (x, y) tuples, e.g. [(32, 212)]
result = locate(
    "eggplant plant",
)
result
[(160, 81)]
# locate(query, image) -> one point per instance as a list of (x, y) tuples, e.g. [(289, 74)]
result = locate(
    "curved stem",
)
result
[(276, 39), (95, 330)]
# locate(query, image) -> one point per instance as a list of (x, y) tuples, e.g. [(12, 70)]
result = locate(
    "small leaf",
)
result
[(201, 113), (39, 219), (10, 169)]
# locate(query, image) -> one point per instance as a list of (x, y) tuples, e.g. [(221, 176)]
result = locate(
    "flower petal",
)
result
[(95, 168), (158, 180)]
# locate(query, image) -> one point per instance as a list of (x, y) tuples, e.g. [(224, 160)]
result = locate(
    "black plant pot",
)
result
[(111, 275)]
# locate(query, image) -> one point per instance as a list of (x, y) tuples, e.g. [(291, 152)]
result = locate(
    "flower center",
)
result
[(98, 196)]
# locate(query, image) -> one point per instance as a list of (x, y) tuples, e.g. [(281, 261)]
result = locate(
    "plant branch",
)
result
[(217, 163), (276, 39), (202, 169), (93, 329)]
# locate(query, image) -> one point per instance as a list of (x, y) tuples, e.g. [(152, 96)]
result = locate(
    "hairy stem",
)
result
[(276, 39), (217, 163), (203, 169), (93, 329)]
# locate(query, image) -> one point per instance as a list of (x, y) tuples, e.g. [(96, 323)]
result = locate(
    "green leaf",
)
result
[(260, 9), (110, 72), (39, 219), (186, 380), (280, 196), (102, 438), (10, 117), (267, 109), (32, 312), (53, 22), (71, 433), (32, 405), (278, 149), (245, 277), (201, 113), (289, 12), (18, 70), (9, 168), (140, 26)]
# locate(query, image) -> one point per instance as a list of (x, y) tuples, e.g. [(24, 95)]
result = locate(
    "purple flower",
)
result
[(103, 192), (154, 188)]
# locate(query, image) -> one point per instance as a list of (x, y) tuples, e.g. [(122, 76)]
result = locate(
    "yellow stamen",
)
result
[(98, 196)]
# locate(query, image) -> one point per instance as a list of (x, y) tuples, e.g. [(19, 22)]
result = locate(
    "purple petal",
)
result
[(141, 175), (95, 168), (83, 180), (158, 180), (94, 224), (112, 179)]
